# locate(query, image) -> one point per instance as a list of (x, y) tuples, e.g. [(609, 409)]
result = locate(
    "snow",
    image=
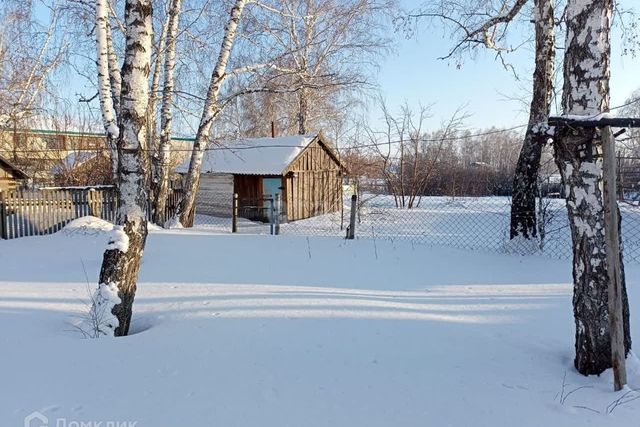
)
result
[(260, 156), (246, 330), (118, 239), (100, 321), (479, 223), (78, 187), (172, 223), (589, 116), (87, 225), (112, 129)]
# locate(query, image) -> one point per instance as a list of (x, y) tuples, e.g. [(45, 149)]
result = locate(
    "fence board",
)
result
[(38, 212)]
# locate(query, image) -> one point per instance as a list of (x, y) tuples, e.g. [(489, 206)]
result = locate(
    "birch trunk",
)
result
[(525, 181), (166, 119), (578, 156), (115, 79), (105, 79), (152, 134), (303, 111), (209, 113), (121, 261)]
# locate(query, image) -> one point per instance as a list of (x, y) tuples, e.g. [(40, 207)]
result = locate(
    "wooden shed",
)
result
[(304, 169), (10, 176)]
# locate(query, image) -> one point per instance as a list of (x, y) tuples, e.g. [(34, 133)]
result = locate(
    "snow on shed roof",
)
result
[(257, 156)]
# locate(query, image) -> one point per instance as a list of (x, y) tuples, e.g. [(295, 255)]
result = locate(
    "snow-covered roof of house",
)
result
[(72, 160), (256, 156)]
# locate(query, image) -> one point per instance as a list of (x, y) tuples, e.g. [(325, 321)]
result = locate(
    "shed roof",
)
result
[(17, 173), (255, 156)]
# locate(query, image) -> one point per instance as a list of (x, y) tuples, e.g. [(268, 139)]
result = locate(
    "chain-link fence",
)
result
[(477, 223), (252, 215), (628, 178)]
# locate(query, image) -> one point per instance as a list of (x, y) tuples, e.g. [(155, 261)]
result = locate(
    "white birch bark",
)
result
[(166, 114), (114, 71), (578, 156), (105, 87), (525, 181), (121, 262), (209, 113), (152, 140)]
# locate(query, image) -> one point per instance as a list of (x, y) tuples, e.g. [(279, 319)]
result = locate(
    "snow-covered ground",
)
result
[(250, 330), (461, 222)]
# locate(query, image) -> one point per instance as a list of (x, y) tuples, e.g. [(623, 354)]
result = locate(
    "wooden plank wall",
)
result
[(249, 187), (313, 184), (7, 180), (251, 201)]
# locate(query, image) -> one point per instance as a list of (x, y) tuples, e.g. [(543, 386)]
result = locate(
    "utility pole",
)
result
[(612, 233), (611, 225)]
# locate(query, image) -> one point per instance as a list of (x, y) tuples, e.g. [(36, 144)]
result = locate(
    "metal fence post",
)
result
[(271, 212), (3, 217), (351, 230), (277, 213), (234, 215)]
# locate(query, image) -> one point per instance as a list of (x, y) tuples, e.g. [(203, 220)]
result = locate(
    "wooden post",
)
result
[(351, 231), (276, 218), (273, 129), (3, 217), (94, 209), (616, 328), (341, 204), (234, 214)]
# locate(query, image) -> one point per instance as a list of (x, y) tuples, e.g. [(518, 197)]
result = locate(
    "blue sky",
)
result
[(415, 75)]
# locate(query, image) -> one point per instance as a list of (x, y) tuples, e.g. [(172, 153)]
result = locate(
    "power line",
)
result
[(633, 101), (254, 147)]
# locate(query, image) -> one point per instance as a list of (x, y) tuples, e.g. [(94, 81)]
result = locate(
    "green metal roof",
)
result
[(77, 133)]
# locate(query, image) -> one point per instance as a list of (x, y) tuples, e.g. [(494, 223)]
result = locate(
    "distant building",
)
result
[(45, 155), (39, 152), (10, 176), (304, 169)]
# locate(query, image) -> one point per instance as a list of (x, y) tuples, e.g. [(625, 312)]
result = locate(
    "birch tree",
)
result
[(525, 181), (109, 80), (210, 111), (30, 53), (114, 297), (577, 154), (166, 115), (327, 48), (152, 114), (485, 24)]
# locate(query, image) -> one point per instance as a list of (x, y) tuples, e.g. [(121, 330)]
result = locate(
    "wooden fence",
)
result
[(32, 213)]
